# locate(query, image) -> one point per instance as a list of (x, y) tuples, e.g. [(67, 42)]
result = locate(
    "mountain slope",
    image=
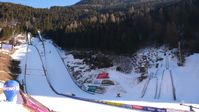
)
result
[(104, 2), (113, 3), (115, 27)]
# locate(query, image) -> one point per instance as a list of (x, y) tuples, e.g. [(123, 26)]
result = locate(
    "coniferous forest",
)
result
[(115, 25)]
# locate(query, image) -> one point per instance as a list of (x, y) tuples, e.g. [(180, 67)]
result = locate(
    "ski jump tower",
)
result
[(29, 38), (39, 33)]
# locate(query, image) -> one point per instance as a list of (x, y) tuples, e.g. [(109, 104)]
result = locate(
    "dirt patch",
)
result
[(5, 76), (7, 66)]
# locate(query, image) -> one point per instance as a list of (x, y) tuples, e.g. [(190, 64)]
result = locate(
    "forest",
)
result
[(113, 26)]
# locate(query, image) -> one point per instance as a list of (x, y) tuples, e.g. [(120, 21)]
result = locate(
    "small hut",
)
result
[(103, 75)]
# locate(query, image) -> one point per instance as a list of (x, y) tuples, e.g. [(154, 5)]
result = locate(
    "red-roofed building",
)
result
[(102, 75)]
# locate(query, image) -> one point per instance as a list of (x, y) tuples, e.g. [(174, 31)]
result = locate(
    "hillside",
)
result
[(116, 28), (161, 89), (115, 3), (113, 55), (104, 3)]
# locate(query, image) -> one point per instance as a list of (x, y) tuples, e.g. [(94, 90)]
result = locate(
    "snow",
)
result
[(166, 86), (2, 96), (35, 74), (126, 84), (12, 107), (151, 89), (67, 104), (187, 81)]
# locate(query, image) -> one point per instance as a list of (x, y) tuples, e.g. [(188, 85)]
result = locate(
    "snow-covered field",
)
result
[(155, 91), (159, 87)]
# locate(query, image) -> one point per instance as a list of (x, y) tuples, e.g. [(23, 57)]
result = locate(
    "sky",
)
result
[(43, 3)]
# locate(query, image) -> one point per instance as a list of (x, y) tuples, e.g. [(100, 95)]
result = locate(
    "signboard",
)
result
[(115, 104), (137, 107), (92, 88), (7, 47)]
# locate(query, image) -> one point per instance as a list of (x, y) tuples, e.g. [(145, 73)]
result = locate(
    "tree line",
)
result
[(119, 29)]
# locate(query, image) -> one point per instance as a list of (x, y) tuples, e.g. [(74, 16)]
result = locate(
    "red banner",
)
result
[(137, 107), (35, 107)]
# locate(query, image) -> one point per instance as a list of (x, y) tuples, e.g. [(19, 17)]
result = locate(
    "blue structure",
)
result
[(10, 89)]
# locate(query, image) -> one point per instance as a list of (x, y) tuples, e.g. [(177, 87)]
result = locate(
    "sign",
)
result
[(154, 109), (92, 88), (137, 107), (7, 47), (115, 104)]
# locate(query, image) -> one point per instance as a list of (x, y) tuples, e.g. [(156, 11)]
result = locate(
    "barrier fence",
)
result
[(33, 104)]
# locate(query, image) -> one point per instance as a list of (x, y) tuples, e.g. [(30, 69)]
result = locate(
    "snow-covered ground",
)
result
[(186, 80), (160, 83), (158, 93)]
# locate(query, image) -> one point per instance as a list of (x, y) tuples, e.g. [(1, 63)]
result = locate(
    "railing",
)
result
[(173, 87), (160, 88), (145, 86)]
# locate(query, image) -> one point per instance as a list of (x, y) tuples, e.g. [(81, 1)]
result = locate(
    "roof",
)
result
[(102, 75)]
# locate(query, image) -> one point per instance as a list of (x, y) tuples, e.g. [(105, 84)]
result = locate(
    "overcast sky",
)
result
[(43, 3)]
